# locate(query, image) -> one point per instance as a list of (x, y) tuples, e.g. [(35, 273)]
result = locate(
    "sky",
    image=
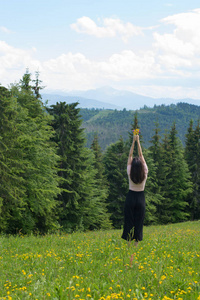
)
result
[(149, 47)]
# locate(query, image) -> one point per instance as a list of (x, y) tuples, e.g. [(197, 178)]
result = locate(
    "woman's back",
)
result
[(139, 186)]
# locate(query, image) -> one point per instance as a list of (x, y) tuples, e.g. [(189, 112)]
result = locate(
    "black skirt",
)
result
[(134, 211)]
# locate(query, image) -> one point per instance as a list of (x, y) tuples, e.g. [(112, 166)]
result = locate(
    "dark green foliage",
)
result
[(12, 188), (156, 146), (197, 174), (155, 186), (192, 156), (101, 182), (174, 180), (70, 140), (153, 197), (98, 164), (95, 214), (29, 180), (115, 160), (25, 82), (80, 200)]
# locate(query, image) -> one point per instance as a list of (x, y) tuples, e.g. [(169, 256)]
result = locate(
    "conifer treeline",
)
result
[(49, 180)]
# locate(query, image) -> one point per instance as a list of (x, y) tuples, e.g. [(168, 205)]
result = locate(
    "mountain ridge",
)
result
[(110, 125), (110, 98)]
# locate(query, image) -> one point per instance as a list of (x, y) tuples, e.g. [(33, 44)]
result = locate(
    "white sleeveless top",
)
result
[(140, 186)]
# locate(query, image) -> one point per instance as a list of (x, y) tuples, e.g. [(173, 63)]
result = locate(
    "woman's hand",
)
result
[(137, 137), (134, 138)]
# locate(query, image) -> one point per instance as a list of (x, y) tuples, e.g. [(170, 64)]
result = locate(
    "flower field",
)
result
[(101, 266)]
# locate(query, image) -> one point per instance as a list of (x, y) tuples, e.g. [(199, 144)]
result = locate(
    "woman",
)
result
[(134, 209)]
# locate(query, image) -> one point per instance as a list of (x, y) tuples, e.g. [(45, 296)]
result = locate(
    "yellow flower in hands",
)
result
[(136, 131)]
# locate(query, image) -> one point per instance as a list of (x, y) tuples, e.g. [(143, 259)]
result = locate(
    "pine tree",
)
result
[(156, 145), (80, 200), (37, 85), (25, 82), (102, 186), (197, 179), (192, 157), (153, 197), (98, 159), (115, 160), (174, 180), (94, 211), (32, 164), (12, 190), (153, 184), (70, 140)]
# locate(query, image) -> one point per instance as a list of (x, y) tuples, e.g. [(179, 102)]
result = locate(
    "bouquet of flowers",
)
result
[(136, 131)]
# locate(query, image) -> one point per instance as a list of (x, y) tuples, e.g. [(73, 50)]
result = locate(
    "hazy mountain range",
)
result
[(109, 98)]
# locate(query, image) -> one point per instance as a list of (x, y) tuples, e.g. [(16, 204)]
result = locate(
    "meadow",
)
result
[(101, 266)]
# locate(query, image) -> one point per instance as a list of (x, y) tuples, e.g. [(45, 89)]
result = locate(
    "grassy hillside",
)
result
[(100, 265), (111, 124)]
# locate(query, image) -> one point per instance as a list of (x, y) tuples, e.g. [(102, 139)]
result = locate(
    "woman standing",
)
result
[(134, 209)]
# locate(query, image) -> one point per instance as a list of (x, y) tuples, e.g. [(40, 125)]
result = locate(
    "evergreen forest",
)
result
[(58, 173), (103, 120)]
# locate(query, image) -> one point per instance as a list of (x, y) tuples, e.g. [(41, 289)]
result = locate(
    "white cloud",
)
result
[(14, 61), (180, 50), (171, 44), (111, 28), (187, 28), (75, 71), (170, 55)]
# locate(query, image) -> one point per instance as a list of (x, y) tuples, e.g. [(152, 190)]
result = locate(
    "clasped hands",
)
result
[(136, 138)]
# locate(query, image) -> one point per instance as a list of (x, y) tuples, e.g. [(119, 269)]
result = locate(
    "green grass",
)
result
[(96, 265), (101, 114)]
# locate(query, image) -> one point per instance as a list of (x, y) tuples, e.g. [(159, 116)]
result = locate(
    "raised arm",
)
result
[(130, 157), (140, 149)]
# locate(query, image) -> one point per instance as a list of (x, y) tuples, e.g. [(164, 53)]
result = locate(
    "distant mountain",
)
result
[(125, 99), (109, 98), (83, 102)]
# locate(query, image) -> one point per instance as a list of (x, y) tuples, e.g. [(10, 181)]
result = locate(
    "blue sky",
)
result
[(148, 47)]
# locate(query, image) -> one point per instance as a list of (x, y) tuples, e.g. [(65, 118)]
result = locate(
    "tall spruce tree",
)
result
[(30, 159), (37, 85), (39, 154), (156, 145), (174, 180), (153, 185), (98, 160), (152, 196), (12, 189), (70, 140), (115, 160), (80, 200), (25, 82), (192, 150), (102, 185), (197, 190)]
